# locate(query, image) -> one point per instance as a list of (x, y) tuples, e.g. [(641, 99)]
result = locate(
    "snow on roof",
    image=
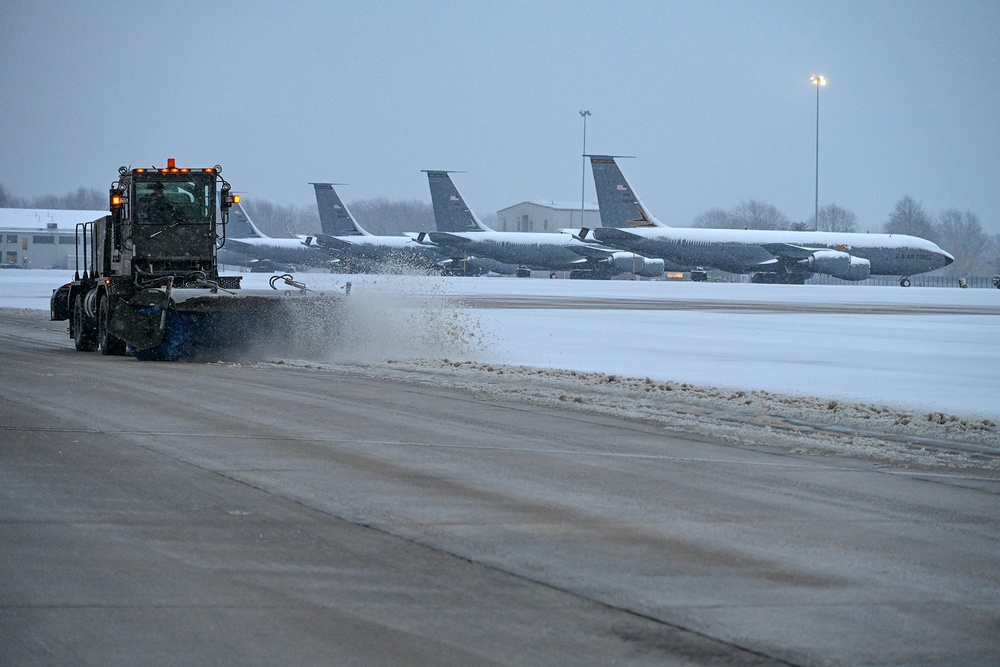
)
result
[(557, 205), (40, 219)]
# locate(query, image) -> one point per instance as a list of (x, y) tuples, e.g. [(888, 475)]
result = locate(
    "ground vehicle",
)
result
[(699, 275), (150, 284)]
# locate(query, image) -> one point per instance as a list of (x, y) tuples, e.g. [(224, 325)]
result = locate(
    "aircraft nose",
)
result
[(948, 258)]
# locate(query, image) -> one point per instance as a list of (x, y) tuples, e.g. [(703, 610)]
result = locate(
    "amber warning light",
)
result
[(171, 167), (228, 198)]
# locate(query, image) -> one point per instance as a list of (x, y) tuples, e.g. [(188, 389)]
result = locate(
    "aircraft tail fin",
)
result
[(619, 205), (451, 213), (240, 226), (334, 217)]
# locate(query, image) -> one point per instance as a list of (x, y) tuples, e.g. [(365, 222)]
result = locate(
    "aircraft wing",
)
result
[(789, 250), (328, 242), (592, 251)]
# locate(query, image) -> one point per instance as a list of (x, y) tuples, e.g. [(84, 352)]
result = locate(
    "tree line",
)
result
[(83, 199), (959, 232)]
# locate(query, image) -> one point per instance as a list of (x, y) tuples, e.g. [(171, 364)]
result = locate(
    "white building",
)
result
[(41, 238), (550, 216)]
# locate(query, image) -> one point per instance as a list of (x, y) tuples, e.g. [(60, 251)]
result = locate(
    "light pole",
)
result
[(583, 175), (819, 81)]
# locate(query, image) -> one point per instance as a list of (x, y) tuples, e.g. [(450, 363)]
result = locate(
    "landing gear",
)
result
[(904, 281)]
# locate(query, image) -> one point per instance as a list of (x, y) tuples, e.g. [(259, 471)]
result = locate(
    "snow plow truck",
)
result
[(150, 284)]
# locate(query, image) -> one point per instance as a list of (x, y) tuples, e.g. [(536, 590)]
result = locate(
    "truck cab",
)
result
[(163, 222)]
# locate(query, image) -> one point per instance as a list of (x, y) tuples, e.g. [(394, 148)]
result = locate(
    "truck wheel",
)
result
[(84, 331), (108, 343)]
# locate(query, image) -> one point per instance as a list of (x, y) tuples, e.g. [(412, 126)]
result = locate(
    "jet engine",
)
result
[(627, 262), (838, 264), (651, 268), (860, 269)]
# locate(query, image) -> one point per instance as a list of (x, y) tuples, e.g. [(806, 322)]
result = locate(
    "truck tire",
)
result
[(84, 331), (108, 343)]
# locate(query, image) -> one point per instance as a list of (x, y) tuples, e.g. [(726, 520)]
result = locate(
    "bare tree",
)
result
[(833, 218), (282, 220), (993, 255), (908, 217), (9, 201), (754, 214), (714, 219), (84, 199), (388, 217), (962, 235)]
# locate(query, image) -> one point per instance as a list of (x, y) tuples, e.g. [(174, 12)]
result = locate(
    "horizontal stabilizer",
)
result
[(329, 242), (612, 235), (446, 239)]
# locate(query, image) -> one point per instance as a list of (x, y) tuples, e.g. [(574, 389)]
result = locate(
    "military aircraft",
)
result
[(463, 231), (772, 256), (244, 240), (369, 252)]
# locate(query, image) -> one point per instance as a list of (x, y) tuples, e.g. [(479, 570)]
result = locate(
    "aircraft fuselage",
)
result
[(536, 250), (743, 251), (289, 251)]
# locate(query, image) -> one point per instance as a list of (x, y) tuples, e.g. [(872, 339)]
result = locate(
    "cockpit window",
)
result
[(175, 201)]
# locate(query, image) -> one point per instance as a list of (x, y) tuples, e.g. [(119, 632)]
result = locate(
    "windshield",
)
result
[(172, 200)]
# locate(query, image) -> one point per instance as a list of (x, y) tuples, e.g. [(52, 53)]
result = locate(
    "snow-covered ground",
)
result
[(916, 350)]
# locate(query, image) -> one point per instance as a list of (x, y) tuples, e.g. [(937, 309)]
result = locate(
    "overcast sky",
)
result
[(712, 98)]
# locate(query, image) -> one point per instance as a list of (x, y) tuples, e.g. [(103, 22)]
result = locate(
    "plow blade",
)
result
[(167, 325)]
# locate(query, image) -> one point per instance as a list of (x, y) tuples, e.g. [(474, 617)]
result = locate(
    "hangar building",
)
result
[(40, 238), (548, 216)]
